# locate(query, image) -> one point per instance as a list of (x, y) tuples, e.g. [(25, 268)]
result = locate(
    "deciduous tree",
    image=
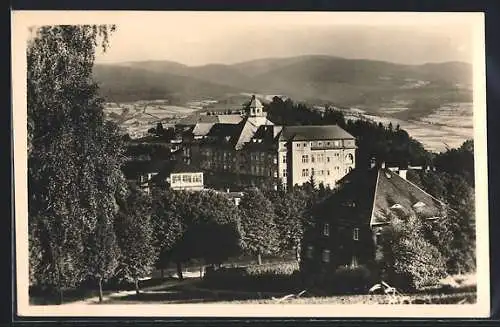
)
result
[(258, 224), (135, 237)]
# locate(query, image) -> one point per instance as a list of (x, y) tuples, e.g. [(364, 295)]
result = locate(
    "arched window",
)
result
[(349, 158)]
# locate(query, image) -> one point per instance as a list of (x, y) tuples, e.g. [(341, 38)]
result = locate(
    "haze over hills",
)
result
[(315, 78)]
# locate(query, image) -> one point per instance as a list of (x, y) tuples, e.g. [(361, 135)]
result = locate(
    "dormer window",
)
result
[(419, 204), (396, 206)]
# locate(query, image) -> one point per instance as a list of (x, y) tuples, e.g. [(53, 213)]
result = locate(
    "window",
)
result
[(284, 159), (320, 143), (349, 158), (327, 159), (355, 234), (312, 157), (305, 172), (176, 179), (326, 255), (186, 178), (305, 145), (419, 204), (354, 261), (284, 172), (349, 169), (328, 143), (298, 145), (309, 252), (328, 172), (312, 171), (326, 229), (305, 158)]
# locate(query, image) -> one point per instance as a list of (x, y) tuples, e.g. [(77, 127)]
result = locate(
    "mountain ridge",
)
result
[(309, 77)]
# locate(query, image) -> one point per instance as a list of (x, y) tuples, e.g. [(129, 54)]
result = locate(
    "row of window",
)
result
[(319, 144), (305, 171), (355, 232), (186, 178), (349, 158)]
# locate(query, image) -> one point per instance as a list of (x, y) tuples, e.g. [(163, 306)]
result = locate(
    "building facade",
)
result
[(323, 154), (350, 223), (254, 150)]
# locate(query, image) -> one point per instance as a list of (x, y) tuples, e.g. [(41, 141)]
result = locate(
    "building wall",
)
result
[(326, 160)]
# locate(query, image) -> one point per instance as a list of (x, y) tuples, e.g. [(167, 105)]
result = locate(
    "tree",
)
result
[(258, 224), (216, 226), (291, 217), (410, 261), (74, 157), (167, 210), (135, 237)]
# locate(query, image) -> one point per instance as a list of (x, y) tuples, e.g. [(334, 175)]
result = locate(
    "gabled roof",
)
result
[(324, 132), (202, 129), (392, 189), (196, 118), (376, 194)]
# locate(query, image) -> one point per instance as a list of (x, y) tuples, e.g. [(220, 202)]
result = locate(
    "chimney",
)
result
[(382, 165), (227, 190), (402, 173)]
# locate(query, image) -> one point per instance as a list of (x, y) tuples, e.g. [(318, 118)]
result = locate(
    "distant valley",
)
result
[(405, 93)]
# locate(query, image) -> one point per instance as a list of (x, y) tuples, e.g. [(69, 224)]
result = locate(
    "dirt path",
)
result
[(115, 295)]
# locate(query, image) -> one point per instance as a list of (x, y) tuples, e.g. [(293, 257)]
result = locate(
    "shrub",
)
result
[(270, 277)]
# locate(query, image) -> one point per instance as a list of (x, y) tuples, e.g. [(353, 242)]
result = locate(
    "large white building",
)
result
[(254, 149)]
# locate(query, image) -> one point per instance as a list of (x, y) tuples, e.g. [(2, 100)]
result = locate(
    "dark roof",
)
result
[(376, 193), (132, 169), (396, 194), (325, 132), (196, 118)]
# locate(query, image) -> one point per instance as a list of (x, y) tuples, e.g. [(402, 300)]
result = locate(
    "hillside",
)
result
[(127, 84), (366, 84)]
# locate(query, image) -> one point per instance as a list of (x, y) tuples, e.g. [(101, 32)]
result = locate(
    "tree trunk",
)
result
[(179, 271), (259, 259), (60, 295), (297, 253), (100, 290), (136, 281)]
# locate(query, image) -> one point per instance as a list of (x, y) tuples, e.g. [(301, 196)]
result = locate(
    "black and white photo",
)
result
[(316, 164)]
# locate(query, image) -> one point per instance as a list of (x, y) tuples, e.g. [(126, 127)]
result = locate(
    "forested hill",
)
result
[(386, 143), (314, 78)]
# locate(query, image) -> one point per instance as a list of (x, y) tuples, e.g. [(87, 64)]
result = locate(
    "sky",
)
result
[(231, 37)]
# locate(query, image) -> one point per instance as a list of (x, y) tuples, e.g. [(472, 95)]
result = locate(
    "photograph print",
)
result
[(253, 164)]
